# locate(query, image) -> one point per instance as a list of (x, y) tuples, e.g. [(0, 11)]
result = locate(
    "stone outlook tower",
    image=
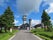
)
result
[(24, 18), (29, 24)]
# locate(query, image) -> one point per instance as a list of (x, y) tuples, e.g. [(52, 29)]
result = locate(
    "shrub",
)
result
[(46, 35)]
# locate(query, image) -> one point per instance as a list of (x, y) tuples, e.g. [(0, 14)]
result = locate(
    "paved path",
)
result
[(24, 35)]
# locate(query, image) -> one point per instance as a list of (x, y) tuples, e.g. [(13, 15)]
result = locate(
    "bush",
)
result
[(37, 30), (50, 29), (43, 34)]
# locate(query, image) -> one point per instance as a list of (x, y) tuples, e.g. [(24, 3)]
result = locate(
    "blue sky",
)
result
[(33, 9)]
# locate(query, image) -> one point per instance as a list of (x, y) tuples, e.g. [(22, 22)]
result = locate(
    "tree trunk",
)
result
[(1, 29), (5, 29), (45, 28), (8, 28)]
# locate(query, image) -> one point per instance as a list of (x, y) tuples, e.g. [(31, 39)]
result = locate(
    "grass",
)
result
[(41, 33), (6, 36)]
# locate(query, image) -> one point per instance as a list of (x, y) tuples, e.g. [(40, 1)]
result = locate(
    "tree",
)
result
[(2, 21), (0, 24), (45, 19), (9, 17)]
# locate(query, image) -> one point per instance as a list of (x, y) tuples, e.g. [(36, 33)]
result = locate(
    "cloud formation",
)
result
[(25, 6), (35, 22), (50, 9), (15, 22), (51, 21), (50, 3)]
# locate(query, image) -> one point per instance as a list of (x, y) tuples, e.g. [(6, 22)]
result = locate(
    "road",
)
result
[(24, 35)]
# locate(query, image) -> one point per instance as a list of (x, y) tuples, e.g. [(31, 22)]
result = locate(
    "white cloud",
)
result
[(34, 22), (15, 22), (49, 1), (52, 21), (25, 6), (20, 24), (50, 9)]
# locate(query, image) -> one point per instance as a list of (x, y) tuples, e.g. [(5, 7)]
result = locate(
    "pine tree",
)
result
[(0, 24), (45, 19), (7, 19), (2, 21)]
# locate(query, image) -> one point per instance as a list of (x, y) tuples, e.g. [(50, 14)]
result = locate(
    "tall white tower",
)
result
[(24, 19)]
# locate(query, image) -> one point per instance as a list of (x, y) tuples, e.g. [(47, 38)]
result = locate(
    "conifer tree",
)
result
[(45, 19), (7, 19)]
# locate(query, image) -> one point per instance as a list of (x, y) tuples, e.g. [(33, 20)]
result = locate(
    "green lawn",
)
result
[(41, 33), (6, 36)]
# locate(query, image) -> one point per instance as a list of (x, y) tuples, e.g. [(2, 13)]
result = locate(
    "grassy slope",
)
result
[(41, 33), (6, 36)]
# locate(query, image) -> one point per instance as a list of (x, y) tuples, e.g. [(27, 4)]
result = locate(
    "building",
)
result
[(38, 26), (24, 26)]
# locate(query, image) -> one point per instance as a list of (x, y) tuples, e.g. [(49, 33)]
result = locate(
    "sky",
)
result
[(32, 8)]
